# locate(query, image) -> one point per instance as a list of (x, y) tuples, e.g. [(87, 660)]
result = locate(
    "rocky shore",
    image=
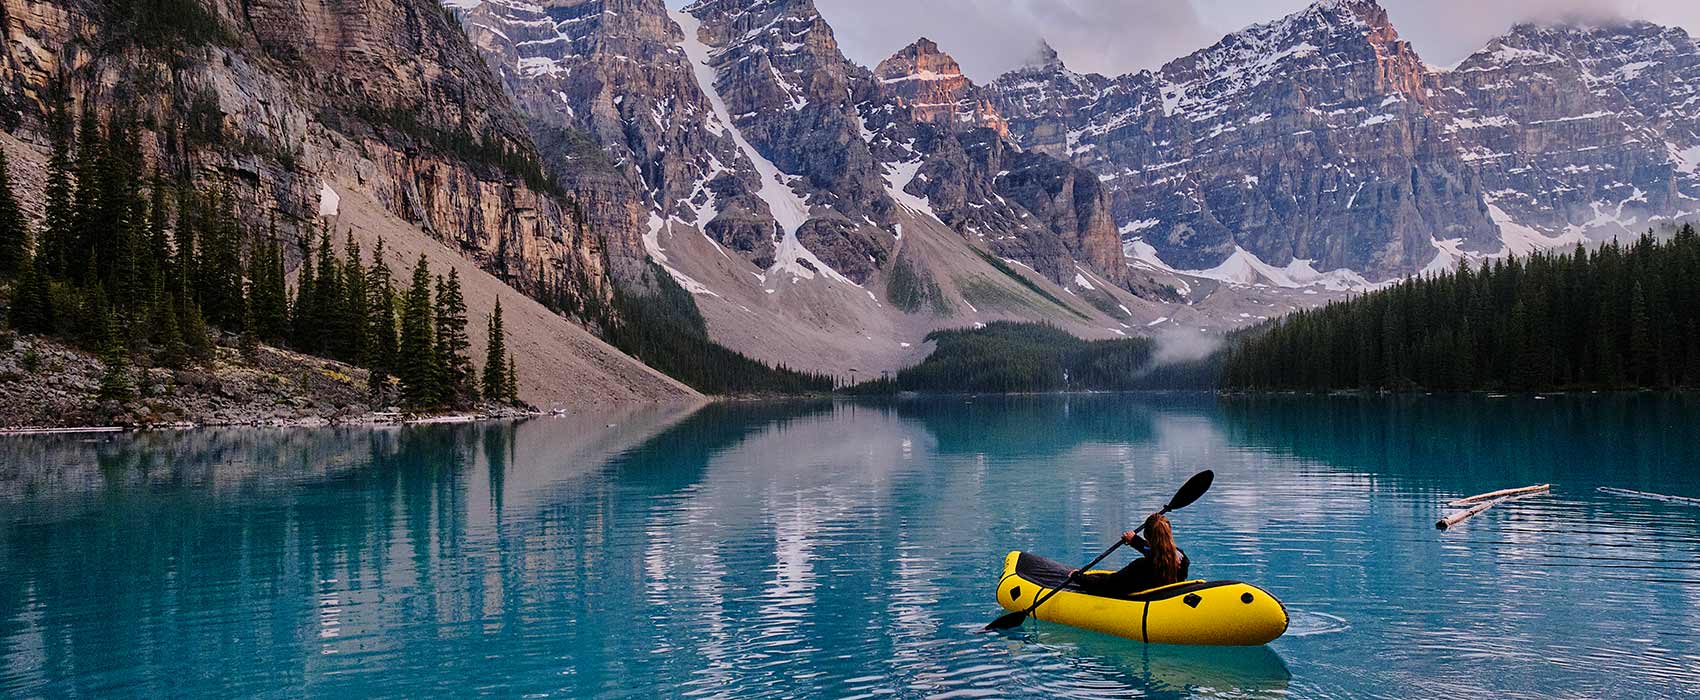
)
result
[(46, 385)]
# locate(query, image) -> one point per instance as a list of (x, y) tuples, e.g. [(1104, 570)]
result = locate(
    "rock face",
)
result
[(1044, 101), (1577, 127), (914, 127), (377, 118), (609, 77), (1308, 138), (778, 147), (286, 95), (1323, 137), (931, 85)]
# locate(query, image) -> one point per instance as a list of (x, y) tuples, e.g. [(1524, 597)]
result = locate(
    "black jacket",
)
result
[(1133, 578)]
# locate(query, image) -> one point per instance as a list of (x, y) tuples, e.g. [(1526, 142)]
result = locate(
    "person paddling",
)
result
[(1162, 564)]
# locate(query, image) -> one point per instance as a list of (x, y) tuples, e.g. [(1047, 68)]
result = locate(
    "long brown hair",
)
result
[(1165, 559)]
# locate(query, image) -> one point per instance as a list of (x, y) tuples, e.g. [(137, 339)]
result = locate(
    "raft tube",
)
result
[(1205, 613)]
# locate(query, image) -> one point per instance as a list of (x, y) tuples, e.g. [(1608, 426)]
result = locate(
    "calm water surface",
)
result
[(849, 551)]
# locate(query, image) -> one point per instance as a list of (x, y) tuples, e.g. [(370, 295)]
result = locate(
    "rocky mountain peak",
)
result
[(1044, 58), (921, 60), (1610, 149), (931, 84), (1327, 35), (1366, 11)]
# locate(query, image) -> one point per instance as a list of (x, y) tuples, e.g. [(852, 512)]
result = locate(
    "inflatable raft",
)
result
[(1212, 613)]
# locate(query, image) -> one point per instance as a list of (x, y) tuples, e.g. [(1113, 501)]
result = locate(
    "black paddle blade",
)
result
[(1009, 621), (1191, 490)]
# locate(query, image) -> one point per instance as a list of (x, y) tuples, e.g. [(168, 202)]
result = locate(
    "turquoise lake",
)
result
[(849, 550)]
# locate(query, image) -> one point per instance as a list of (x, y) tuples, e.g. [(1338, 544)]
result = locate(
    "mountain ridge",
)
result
[(1038, 102)]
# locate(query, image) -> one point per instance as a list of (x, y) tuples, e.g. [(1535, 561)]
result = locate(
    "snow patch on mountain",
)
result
[(787, 208), (652, 245), (329, 201), (1687, 160), (1521, 240), (1246, 269), (1447, 255), (1243, 268), (897, 179)]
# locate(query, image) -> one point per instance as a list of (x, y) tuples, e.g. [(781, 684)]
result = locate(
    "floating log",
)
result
[(1526, 490), (1650, 496), (62, 431), (1460, 516)]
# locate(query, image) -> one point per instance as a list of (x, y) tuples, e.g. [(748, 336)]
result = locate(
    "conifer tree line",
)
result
[(1617, 317), (142, 270), (667, 331)]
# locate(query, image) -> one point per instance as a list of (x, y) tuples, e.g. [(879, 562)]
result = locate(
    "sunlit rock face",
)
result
[(931, 84)]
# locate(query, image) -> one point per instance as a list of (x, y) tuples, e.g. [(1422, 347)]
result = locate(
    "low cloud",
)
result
[(1116, 36), (1175, 346)]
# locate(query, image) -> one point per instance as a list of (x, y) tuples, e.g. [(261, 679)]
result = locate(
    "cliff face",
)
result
[(1576, 127), (931, 85), (743, 119), (1044, 102), (1308, 138), (282, 97), (602, 82), (1322, 137)]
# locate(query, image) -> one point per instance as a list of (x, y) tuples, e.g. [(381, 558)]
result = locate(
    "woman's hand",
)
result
[(1074, 573), (1132, 539)]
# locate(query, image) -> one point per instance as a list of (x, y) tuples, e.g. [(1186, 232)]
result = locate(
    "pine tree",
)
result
[(495, 354), (352, 305), (159, 245), (115, 381), (220, 289), (329, 338), (270, 293), (117, 222), (416, 361), (32, 307), (56, 232), (14, 231), (303, 331), (173, 353), (381, 309), (510, 388), (452, 343), (196, 337), (185, 248), (1643, 354), (84, 241)]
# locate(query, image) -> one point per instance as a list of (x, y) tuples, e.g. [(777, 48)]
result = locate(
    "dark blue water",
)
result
[(849, 551)]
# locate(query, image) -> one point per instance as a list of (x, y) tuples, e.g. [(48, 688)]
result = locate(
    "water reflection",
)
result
[(1167, 671), (842, 549)]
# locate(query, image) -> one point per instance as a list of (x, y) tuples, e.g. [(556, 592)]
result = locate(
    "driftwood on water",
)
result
[(1460, 516), (1486, 501), (1650, 496), (1525, 491)]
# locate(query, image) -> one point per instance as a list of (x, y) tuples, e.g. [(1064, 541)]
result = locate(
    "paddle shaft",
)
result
[(1082, 571)]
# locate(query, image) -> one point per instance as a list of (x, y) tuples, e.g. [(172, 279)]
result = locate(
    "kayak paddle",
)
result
[(1189, 492)]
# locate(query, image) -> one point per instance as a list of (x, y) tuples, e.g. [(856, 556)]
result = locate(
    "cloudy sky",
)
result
[(1116, 36)]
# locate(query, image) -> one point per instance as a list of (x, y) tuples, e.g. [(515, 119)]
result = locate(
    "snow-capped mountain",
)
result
[(800, 195), (1308, 138), (809, 203), (1575, 128), (1323, 140)]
